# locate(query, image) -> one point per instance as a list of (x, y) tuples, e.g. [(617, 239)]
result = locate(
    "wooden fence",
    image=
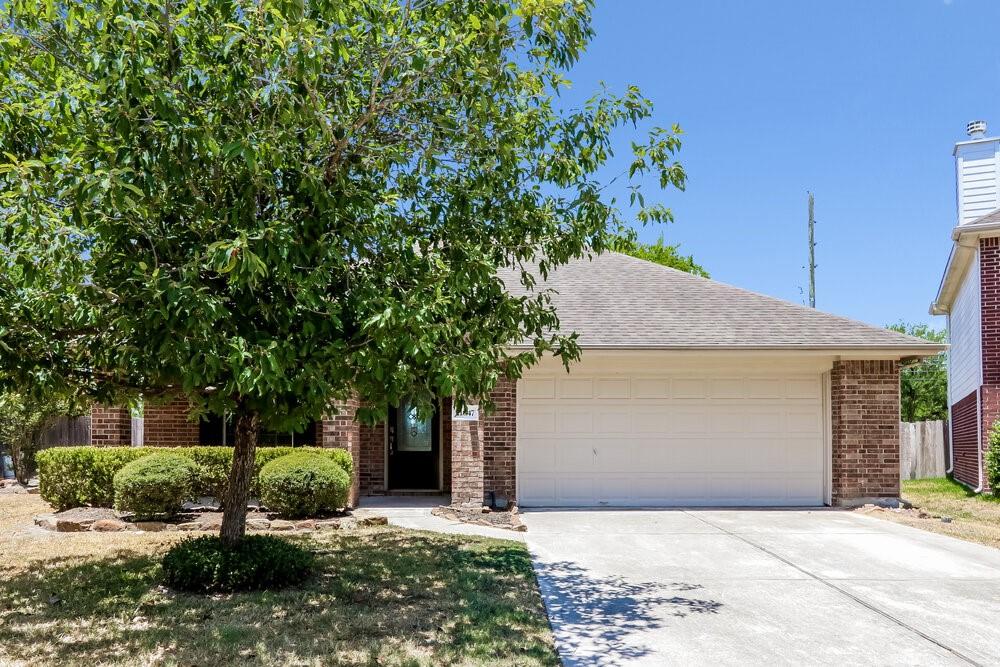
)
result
[(923, 448), (68, 431)]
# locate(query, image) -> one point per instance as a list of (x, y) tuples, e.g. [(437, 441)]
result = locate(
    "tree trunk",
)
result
[(234, 514), (21, 458)]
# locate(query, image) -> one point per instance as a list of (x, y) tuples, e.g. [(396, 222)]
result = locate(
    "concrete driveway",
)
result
[(675, 587)]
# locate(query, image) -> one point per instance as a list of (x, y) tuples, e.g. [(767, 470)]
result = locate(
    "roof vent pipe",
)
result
[(976, 129)]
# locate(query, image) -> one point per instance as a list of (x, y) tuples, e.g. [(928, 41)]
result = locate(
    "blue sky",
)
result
[(859, 101)]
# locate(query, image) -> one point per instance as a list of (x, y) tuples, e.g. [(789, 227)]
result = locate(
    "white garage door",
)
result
[(645, 440)]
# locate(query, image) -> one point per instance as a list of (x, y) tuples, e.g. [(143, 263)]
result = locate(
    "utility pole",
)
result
[(812, 254)]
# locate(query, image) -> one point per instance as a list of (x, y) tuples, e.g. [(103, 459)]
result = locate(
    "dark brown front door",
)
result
[(414, 449)]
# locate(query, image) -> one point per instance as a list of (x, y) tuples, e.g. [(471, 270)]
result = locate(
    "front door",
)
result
[(414, 449)]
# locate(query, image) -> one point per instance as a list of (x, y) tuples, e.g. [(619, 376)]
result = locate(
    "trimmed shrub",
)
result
[(303, 484), (258, 562), (991, 460), (79, 476), (155, 484)]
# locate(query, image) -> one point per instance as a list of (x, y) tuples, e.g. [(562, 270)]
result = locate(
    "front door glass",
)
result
[(414, 434)]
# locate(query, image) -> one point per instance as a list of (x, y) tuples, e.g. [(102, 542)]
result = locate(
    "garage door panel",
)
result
[(650, 387), (576, 490), (689, 388), (576, 420), (576, 387), (660, 440), (650, 420), (612, 388), (806, 421), (613, 419), (575, 456), (537, 419), (802, 455), (537, 455), (537, 489)]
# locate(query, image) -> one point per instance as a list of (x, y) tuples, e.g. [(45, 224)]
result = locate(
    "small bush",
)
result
[(78, 476), (303, 484), (155, 484), (258, 562), (84, 475), (992, 460)]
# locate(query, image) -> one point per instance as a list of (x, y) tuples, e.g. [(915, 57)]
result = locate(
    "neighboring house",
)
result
[(969, 295), (690, 392)]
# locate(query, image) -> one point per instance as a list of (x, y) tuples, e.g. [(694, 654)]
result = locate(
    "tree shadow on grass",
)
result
[(597, 619), (378, 596)]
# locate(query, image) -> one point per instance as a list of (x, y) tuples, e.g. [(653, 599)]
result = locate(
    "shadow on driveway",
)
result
[(597, 615)]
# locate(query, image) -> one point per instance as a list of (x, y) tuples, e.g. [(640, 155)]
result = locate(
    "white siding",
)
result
[(978, 173), (965, 357)]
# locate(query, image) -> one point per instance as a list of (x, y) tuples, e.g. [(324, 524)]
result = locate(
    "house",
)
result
[(689, 392), (969, 295)]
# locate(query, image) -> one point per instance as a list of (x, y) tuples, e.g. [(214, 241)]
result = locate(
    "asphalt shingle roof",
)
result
[(614, 300)]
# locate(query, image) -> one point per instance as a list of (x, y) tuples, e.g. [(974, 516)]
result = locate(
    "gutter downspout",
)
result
[(979, 439), (951, 421)]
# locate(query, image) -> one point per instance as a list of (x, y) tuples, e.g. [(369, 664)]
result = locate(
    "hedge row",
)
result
[(78, 476)]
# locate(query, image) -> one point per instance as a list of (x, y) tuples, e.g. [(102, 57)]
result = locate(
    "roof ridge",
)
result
[(813, 312)]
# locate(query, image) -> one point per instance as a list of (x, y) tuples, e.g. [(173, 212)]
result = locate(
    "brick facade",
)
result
[(965, 439), (168, 424), (110, 426), (341, 429), (865, 430), (500, 442), (372, 470)]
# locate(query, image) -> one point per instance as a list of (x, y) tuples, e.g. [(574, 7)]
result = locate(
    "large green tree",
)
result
[(660, 253), (267, 205), (24, 420), (924, 385)]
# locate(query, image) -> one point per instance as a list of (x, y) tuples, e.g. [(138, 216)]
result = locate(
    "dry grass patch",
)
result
[(382, 596), (974, 517)]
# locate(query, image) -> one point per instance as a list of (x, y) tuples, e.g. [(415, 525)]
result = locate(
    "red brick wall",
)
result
[(372, 469), (500, 442), (865, 416), (483, 453), (989, 286), (167, 424), (467, 462), (110, 426), (341, 429), (965, 440), (990, 406)]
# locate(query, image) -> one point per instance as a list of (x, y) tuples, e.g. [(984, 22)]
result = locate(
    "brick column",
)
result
[(110, 426), (865, 426), (500, 442), (342, 430), (467, 462), (483, 452)]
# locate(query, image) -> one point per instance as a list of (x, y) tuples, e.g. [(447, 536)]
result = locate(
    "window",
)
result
[(218, 431)]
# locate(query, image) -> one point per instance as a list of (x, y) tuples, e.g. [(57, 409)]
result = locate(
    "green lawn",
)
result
[(975, 517), (383, 596)]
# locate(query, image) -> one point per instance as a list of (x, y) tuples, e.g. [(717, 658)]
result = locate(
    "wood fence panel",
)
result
[(68, 431), (922, 448)]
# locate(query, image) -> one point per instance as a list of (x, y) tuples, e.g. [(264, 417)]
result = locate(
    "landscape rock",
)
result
[(151, 526), (109, 526), (80, 519), (281, 524), (46, 521), (308, 524), (508, 519), (258, 523), (374, 520)]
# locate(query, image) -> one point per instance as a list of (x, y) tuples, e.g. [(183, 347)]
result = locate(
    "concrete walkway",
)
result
[(414, 512), (762, 587)]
